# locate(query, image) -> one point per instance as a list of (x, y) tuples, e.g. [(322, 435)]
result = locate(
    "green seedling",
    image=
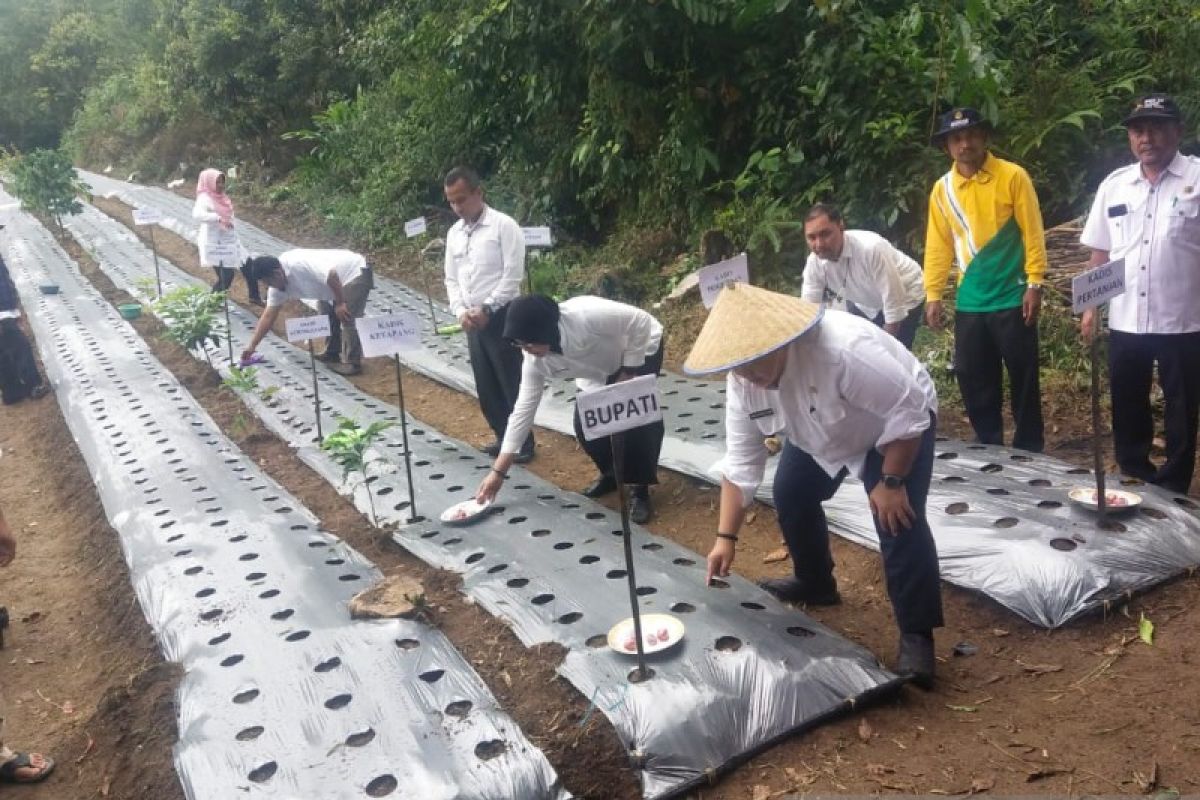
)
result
[(190, 313), (242, 379), (268, 394), (348, 446)]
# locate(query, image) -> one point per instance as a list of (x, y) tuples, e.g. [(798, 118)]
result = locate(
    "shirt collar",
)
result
[(984, 175), (1177, 167), (482, 222)]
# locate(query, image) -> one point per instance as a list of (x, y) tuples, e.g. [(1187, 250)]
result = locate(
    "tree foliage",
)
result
[(45, 183)]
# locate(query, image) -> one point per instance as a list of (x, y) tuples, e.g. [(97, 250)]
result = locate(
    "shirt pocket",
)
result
[(1184, 220)]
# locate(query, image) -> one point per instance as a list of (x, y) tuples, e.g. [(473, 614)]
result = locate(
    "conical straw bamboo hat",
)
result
[(747, 323)]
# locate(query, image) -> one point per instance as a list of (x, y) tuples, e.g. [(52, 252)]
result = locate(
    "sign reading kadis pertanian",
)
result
[(619, 407), (414, 227), (716, 277), (386, 334), (147, 216), (302, 329), (1097, 286)]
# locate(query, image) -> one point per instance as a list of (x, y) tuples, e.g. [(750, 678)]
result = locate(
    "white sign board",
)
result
[(716, 277), (414, 227), (1097, 286), (224, 251), (386, 334), (538, 237), (619, 407), (301, 329), (147, 216)]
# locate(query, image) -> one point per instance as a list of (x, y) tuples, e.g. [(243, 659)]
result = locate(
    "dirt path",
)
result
[(1086, 709)]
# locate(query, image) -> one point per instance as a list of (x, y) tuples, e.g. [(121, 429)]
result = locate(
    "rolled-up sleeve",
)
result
[(885, 265), (520, 421), (745, 458), (1095, 231), (882, 386)]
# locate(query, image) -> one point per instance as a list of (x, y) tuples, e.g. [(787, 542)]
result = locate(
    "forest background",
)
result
[(631, 126)]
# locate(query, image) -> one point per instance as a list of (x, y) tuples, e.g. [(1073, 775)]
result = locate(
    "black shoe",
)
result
[(257, 301), (794, 590), (640, 508), (916, 660), (41, 390), (492, 449), (524, 455), (349, 369), (330, 357), (604, 484)]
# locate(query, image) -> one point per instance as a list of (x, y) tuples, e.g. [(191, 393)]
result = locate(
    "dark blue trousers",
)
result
[(909, 560)]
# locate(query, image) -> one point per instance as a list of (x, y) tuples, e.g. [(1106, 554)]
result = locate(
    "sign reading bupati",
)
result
[(302, 329), (386, 334), (619, 407), (716, 277), (414, 227), (147, 216), (224, 251), (1097, 286), (538, 237)]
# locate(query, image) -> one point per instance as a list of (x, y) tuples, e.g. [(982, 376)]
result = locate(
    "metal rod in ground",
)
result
[(412, 495), (154, 252), (312, 364), (428, 297), (225, 302), (618, 453), (1097, 445)]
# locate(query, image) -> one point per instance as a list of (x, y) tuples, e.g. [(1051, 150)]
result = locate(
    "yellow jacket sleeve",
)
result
[(939, 248), (1029, 220)]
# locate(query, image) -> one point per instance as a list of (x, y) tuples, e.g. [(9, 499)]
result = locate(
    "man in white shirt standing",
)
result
[(862, 269), (1149, 214), (339, 280), (485, 263), (848, 398)]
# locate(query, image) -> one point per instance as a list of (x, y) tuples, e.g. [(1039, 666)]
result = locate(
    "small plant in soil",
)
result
[(146, 288), (242, 379), (349, 445), (190, 313), (268, 395), (45, 182)]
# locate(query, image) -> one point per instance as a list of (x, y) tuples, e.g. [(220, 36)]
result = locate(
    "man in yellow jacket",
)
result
[(984, 216)]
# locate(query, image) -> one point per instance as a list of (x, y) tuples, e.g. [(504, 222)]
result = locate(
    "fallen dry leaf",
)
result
[(999, 632), (1045, 772), (761, 792), (1040, 669), (776, 555), (865, 731)]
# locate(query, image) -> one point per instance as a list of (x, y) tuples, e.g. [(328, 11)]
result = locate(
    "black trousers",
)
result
[(909, 560), (1131, 360), (985, 342), (908, 325), (642, 445), (18, 370), (496, 365)]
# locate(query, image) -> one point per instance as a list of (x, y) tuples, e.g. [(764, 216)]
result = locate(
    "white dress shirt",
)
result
[(597, 338), (870, 273), (308, 271), (211, 230), (848, 388), (1156, 229), (485, 262)]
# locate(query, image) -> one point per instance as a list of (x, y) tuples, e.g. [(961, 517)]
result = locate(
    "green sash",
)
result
[(995, 278)]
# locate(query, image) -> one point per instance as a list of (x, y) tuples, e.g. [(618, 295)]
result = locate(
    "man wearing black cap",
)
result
[(1148, 213), (984, 215)]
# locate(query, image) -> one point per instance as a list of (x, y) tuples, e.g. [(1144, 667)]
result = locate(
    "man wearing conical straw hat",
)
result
[(849, 399)]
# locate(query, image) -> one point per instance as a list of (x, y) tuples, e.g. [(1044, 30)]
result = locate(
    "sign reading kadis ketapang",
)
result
[(1097, 286), (386, 334), (619, 407)]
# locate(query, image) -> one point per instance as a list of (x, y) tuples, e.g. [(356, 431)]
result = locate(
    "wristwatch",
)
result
[(893, 481)]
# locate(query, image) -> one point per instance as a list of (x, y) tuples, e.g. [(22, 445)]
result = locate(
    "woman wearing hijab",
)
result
[(214, 212), (597, 342)]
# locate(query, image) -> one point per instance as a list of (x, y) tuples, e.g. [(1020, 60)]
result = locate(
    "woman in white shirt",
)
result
[(214, 211), (596, 342)]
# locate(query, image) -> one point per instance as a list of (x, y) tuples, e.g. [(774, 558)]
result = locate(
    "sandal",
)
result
[(8, 770)]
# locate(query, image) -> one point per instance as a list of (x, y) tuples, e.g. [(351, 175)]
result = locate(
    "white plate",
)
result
[(464, 513), (1086, 497), (652, 625)]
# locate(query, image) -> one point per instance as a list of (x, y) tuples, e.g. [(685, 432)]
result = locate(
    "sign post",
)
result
[(225, 250), (389, 334), (151, 217), (305, 329), (1092, 289), (610, 412), (716, 277), (416, 227)]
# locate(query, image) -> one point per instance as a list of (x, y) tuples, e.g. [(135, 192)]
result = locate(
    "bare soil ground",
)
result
[(1087, 709)]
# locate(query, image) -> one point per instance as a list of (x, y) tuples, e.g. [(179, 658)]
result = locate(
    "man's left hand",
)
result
[(478, 317), (892, 508), (342, 311), (1031, 306)]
